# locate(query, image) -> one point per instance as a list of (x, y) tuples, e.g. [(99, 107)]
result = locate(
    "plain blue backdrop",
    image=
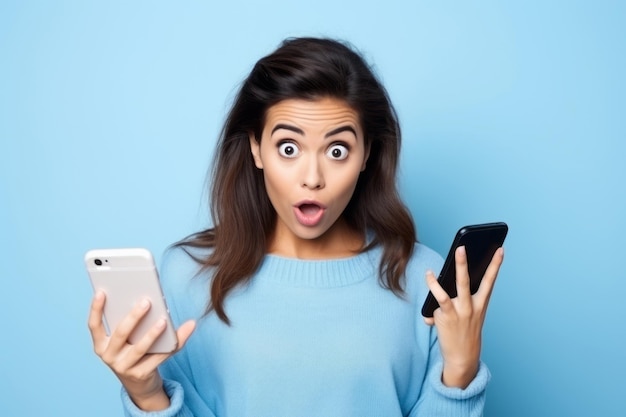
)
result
[(511, 111)]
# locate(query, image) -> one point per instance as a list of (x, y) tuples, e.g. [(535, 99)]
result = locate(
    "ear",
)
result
[(255, 148), (366, 157)]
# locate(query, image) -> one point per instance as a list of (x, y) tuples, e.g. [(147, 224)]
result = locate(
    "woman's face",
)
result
[(311, 154)]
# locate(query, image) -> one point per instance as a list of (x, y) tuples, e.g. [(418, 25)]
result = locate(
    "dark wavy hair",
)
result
[(244, 218)]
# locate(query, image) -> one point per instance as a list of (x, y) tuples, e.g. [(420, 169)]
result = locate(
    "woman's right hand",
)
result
[(135, 368)]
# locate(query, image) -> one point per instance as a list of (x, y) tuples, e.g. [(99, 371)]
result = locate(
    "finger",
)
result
[(150, 362), (489, 279), (134, 355), (442, 297), (143, 363), (119, 337), (462, 275), (184, 332), (94, 322)]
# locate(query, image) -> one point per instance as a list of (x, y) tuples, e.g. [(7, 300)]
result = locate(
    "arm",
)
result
[(438, 400), (134, 367), (459, 321), (456, 379), (185, 401)]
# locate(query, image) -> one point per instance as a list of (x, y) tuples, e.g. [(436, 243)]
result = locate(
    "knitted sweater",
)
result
[(309, 338)]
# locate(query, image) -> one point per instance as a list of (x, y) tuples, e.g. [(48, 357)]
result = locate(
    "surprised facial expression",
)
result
[(311, 153)]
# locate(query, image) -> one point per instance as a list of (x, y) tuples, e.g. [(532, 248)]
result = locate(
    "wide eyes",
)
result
[(337, 151), (288, 149)]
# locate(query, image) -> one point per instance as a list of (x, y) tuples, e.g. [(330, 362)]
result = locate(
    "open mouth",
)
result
[(309, 209), (309, 214)]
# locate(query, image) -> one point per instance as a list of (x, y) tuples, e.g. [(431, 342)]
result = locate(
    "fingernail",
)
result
[(99, 295), (145, 303), (460, 250), (160, 324)]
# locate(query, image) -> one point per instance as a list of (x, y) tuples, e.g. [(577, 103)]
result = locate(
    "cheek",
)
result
[(277, 185), (345, 186), (271, 167)]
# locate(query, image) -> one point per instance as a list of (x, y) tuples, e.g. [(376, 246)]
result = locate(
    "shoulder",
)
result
[(425, 258), (180, 263), (185, 284)]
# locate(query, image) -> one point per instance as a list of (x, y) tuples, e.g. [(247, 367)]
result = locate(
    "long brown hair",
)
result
[(244, 218)]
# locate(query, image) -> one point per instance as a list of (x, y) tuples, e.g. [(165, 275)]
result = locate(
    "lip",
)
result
[(306, 214)]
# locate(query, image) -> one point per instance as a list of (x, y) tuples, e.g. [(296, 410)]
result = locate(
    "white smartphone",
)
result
[(127, 276)]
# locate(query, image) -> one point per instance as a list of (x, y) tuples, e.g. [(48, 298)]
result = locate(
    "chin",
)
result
[(311, 234)]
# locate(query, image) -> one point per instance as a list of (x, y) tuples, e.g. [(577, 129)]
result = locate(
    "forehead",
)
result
[(320, 113)]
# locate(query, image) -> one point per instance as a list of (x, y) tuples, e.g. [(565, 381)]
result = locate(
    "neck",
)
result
[(340, 241)]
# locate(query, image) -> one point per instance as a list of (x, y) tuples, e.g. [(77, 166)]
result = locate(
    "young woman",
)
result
[(305, 295)]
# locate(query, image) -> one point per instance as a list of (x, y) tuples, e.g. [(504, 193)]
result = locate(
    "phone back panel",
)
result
[(128, 276), (481, 242)]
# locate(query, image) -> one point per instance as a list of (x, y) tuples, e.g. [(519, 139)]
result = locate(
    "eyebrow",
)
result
[(287, 127), (301, 132), (341, 129)]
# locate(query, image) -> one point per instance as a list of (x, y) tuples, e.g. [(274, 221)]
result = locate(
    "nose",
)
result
[(312, 176)]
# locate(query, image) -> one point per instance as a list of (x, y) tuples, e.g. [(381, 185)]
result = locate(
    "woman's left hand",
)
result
[(459, 320)]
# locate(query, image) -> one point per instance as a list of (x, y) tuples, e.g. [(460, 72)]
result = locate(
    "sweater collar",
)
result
[(327, 273)]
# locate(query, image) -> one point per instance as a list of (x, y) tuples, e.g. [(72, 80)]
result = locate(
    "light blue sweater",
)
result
[(309, 338)]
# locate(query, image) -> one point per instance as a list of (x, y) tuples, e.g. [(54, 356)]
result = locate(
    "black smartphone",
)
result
[(481, 242)]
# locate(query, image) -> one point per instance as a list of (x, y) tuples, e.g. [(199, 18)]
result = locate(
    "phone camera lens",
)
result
[(97, 262)]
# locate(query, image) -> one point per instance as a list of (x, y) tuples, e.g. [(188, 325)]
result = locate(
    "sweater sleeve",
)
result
[(177, 407), (436, 399), (183, 396)]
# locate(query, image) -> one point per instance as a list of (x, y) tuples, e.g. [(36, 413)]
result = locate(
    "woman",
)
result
[(307, 289)]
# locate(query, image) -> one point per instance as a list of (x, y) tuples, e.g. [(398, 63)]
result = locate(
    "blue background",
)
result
[(511, 111)]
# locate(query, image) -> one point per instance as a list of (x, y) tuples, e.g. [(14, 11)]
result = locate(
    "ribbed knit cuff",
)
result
[(173, 390), (476, 387), (437, 400)]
